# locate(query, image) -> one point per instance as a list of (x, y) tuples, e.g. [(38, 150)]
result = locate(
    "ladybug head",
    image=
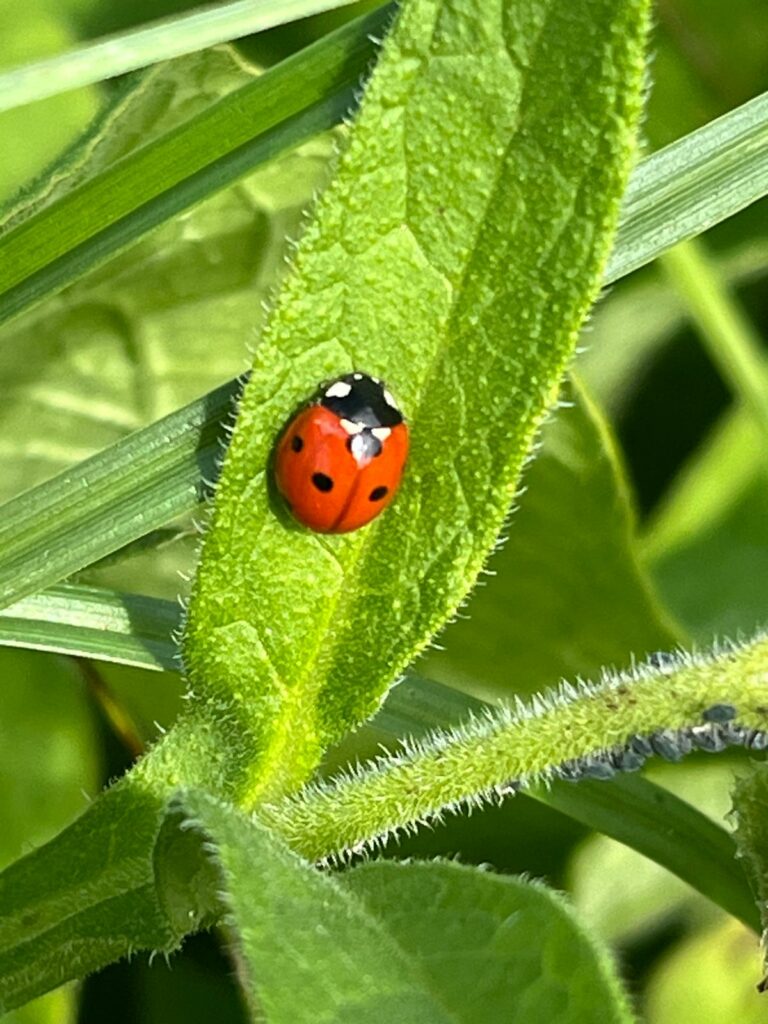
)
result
[(358, 398)]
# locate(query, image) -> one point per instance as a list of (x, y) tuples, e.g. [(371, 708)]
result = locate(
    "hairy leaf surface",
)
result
[(482, 181), (566, 596), (418, 943), (495, 948), (175, 482)]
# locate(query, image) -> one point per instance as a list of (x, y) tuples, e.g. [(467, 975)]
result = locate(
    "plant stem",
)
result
[(689, 701), (117, 715)]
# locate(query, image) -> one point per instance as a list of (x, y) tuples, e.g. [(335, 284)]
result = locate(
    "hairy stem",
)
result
[(667, 707)]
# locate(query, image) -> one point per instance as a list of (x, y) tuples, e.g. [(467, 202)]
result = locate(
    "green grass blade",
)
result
[(750, 803), (723, 326), (664, 828), (305, 94), (690, 186), (94, 623), (148, 44), (107, 501)]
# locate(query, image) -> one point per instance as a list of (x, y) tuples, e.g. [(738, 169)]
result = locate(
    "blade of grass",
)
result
[(724, 328), (298, 98), (693, 184), (116, 496), (138, 631), (94, 623), (160, 40), (675, 194), (664, 828)]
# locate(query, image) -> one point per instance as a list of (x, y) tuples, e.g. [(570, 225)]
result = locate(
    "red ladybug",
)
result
[(340, 460)]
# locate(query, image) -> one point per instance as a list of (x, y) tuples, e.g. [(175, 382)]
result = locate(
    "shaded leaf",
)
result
[(707, 545), (492, 947), (312, 952)]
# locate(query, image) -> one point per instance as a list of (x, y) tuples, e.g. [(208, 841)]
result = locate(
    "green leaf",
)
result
[(493, 948), (692, 185), (726, 331), (750, 799), (115, 881), (151, 477), (82, 891), (631, 809), (95, 623), (707, 542), (49, 766), (296, 99), (416, 943), (175, 482), (707, 545), (566, 597), (135, 48), (311, 951), (657, 898), (286, 649)]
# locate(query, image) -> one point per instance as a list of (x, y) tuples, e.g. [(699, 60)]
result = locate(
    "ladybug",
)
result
[(340, 460)]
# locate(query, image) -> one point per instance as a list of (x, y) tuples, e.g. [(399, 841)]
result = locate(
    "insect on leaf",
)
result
[(455, 255)]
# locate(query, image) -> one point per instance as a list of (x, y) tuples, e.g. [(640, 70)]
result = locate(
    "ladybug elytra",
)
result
[(340, 460)]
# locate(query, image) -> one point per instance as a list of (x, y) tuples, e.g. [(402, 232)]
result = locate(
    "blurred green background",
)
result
[(644, 523)]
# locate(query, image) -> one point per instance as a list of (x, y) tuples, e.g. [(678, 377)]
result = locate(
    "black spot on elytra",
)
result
[(296, 443), (378, 493), (322, 482)]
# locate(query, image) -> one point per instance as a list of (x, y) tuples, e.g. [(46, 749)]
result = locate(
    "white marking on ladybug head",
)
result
[(389, 399), (339, 389), (381, 433), (357, 376), (351, 427), (357, 447)]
